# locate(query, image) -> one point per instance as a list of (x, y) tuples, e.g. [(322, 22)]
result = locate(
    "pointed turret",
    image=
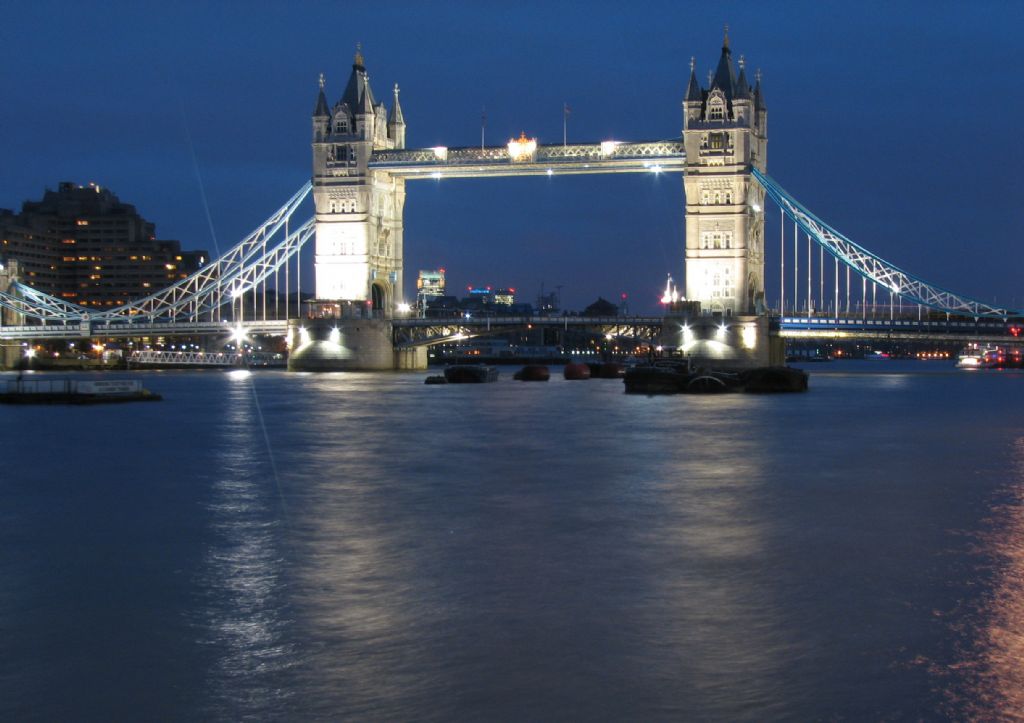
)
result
[(396, 122), (396, 116), (725, 77), (759, 94), (693, 91), (321, 110), (742, 86), (357, 93), (321, 115)]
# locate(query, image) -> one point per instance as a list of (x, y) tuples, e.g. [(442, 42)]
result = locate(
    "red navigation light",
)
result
[(1015, 330), (512, 291), (623, 295)]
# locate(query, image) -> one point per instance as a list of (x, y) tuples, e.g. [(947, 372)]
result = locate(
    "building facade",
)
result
[(359, 225), (83, 245), (725, 131)]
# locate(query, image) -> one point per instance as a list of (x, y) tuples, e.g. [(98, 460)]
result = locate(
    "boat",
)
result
[(993, 357), (470, 373), (680, 378), (70, 391), (576, 370), (606, 370), (663, 377), (775, 379), (533, 373)]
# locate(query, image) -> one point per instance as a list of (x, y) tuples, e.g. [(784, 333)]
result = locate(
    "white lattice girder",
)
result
[(874, 268)]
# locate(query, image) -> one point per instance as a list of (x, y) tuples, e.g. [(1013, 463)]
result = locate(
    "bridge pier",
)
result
[(331, 345), (724, 342), (10, 351)]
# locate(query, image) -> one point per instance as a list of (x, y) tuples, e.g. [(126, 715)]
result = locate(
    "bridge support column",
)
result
[(331, 345), (724, 342), (10, 354), (414, 359), (10, 351)]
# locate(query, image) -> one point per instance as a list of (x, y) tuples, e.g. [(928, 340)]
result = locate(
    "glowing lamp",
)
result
[(440, 153), (522, 148), (608, 147)]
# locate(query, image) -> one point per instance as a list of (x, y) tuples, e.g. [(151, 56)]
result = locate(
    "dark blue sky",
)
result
[(897, 122)]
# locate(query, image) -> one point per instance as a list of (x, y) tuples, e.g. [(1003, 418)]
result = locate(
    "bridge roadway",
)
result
[(121, 330), (859, 328), (491, 161), (409, 332), (426, 332)]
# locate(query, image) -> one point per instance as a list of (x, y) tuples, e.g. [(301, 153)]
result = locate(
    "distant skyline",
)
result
[(897, 123)]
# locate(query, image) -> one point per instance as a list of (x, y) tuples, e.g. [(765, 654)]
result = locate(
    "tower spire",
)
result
[(725, 38), (321, 101), (358, 59)]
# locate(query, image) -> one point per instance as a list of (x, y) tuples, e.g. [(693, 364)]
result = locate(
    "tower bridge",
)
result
[(360, 166)]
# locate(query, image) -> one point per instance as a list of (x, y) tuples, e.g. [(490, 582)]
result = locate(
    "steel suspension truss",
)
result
[(873, 268), (195, 298)]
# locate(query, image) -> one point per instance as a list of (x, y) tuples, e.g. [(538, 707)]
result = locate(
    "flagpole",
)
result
[(483, 124), (565, 123)]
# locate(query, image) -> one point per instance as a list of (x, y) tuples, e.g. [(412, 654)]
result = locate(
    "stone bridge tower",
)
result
[(725, 131), (358, 211)]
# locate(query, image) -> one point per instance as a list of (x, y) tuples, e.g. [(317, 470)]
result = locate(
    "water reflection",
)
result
[(993, 667), (538, 566), (244, 613)]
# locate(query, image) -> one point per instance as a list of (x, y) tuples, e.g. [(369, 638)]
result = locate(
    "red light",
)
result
[(623, 295), (512, 291), (1015, 330)]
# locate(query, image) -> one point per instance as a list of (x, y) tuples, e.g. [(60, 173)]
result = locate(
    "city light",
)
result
[(523, 148), (608, 147), (334, 336), (238, 334), (440, 153), (30, 352), (403, 308), (436, 175)]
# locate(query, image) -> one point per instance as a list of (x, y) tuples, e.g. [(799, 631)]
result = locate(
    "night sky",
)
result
[(899, 123)]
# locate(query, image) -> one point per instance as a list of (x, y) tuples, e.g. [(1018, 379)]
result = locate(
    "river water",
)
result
[(367, 547)]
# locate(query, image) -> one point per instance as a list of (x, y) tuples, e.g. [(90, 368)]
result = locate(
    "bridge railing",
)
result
[(553, 154)]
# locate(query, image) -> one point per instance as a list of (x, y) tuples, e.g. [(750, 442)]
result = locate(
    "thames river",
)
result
[(366, 547)]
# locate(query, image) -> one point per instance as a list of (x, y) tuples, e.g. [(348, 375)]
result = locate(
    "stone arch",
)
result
[(380, 298)]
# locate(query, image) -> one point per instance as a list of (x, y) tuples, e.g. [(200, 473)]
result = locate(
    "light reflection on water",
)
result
[(244, 614), (517, 551), (993, 634)]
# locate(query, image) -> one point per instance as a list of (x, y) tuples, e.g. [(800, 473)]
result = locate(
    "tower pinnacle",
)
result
[(725, 39), (358, 59)]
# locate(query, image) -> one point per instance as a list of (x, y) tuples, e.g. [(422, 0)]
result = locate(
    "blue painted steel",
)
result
[(873, 267)]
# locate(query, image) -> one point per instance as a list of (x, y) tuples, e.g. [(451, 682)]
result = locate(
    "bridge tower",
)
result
[(358, 211), (725, 131)]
